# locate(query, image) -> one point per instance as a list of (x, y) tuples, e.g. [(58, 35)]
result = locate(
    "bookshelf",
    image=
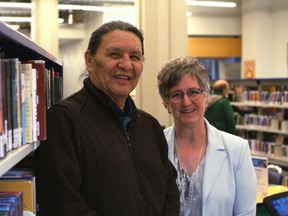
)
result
[(258, 102), (16, 45), (15, 156)]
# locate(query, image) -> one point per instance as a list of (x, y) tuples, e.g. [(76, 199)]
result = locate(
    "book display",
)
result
[(261, 111), (25, 78)]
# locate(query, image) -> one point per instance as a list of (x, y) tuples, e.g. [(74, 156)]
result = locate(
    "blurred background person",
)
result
[(219, 111)]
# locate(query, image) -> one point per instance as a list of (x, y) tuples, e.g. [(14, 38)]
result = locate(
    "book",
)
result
[(16, 198), (26, 185), (7, 209), (8, 99), (56, 87), (15, 111), (18, 173), (13, 102), (34, 104), (39, 65), (23, 109), (26, 69), (19, 104), (3, 115), (1, 109), (48, 88)]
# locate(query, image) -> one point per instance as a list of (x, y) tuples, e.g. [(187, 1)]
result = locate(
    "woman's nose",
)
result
[(186, 99)]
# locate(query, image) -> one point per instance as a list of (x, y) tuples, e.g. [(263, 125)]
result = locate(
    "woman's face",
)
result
[(187, 112), (117, 65)]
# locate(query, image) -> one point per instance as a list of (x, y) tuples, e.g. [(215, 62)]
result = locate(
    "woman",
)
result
[(215, 170)]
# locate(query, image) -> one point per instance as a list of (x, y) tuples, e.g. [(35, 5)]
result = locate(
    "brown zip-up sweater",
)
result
[(88, 165)]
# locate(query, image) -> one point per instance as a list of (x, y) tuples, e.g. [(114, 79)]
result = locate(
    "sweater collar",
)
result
[(129, 108)]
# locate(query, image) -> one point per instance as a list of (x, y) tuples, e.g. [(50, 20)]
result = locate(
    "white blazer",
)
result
[(230, 183)]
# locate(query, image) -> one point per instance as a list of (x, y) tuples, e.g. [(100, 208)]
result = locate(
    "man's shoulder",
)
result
[(145, 114)]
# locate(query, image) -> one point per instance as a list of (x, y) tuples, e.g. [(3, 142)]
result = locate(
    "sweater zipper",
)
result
[(141, 203)]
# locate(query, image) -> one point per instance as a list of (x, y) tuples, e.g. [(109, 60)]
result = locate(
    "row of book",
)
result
[(27, 90), (268, 148), (265, 122), (18, 192), (263, 97)]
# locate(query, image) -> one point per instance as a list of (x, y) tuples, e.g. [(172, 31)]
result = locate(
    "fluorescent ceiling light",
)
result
[(15, 19), (15, 5), (95, 8), (71, 7), (211, 3), (14, 27), (22, 19)]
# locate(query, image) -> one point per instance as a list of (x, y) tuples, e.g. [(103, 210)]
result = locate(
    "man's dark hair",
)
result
[(96, 36)]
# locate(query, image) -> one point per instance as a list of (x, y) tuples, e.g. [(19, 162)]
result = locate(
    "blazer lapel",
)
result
[(214, 159)]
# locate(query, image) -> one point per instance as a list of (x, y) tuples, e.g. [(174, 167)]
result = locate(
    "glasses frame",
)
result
[(178, 98)]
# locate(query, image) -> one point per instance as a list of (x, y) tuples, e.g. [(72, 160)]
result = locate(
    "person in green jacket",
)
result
[(219, 111)]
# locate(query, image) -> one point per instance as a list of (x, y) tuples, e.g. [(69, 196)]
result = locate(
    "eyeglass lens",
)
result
[(191, 93)]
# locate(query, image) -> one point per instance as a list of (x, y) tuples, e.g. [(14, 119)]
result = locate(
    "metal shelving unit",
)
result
[(15, 156), (16, 45), (250, 105)]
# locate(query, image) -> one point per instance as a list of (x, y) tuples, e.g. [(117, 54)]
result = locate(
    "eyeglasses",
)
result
[(178, 96)]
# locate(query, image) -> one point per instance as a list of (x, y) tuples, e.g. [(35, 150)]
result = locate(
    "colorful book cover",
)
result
[(7, 208), (261, 170), (16, 198), (26, 186)]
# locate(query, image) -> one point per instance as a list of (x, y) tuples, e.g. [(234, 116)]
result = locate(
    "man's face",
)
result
[(117, 65)]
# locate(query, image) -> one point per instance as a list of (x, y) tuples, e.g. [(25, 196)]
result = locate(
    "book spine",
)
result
[(2, 117), (39, 65), (14, 97), (34, 105), (26, 69), (23, 110), (9, 105)]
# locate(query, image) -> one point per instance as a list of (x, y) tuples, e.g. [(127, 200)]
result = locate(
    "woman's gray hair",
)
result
[(172, 72)]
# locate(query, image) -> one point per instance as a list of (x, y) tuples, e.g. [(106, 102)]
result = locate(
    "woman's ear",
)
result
[(88, 60), (165, 103)]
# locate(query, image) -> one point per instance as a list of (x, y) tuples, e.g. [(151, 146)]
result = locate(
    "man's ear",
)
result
[(88, 60)]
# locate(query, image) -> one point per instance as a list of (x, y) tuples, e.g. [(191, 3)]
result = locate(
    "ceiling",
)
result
[(78, 15)]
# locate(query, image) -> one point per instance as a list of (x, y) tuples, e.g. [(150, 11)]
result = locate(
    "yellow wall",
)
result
[(214, 47)]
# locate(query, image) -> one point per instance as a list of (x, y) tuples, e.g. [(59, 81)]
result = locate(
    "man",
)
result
[(102, 155), (219, 110)]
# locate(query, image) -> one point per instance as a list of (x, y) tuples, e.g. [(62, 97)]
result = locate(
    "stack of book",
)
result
[(20, 187)]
